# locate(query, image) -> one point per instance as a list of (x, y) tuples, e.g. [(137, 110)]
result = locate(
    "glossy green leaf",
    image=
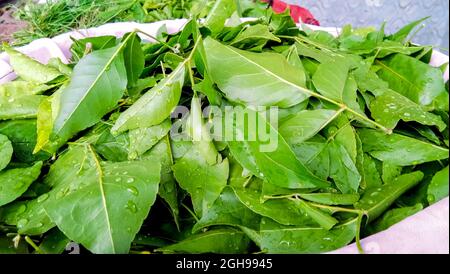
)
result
[(400, 150), (221, 11), (376, 200), (20, 107), (330, 198), (168, 190), (218, 241), (228, 210), (6, 151), (20, 88), (14, 182), (342, 169), (412, 78), (331, 77), (279, 167), (438, 188), (118, 196), (22, 134), (403, 33), (372, 177), (393, 216), (391, 107), (134, 58), (7, 246), (305, 124), (390, 172), (254, 33), (258, 79), (54, 243), (29, 69), (82, 46), (155, 105), (278, 239), (143, 139), (203, 181), (325, 220), (283, 211)]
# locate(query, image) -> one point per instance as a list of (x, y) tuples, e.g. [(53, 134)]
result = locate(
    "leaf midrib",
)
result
[(108, 64)]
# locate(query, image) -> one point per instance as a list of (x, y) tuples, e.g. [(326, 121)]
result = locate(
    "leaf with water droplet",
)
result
[(412, 78), (6, 151), (219, 241), (302, 239), (438, 188), (400, 150), (228, 210), (110, 203), (14, 182), (375, 205)]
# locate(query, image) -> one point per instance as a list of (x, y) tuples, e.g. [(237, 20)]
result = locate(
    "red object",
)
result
[(297, 13)]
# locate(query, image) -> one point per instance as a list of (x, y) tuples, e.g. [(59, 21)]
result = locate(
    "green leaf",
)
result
[(254, 78), (98, 82), (412, 78), (6, 151), (254, 33), (155, 105), (65, 175), (438, 188), (14, 182), (217, 16), (325, 220), (82, 46), (330, 198), (207, 87), (55, 242), (143, 139), (20, 107), (30, 69), (400, 150), (376, 200), (168, 190), (118, 196), (342, 169), (141, 85), (22, 134), (314, 154), (391, 107), (305, 124), (20, 88), (331, 77), (280, 166), (403, 33), (134, 58), (228, 210), (199, 134), (112, 148), (218, 241), (278, 239), (371, 175), (389, 47), (283, 211), (204, 182), (7, 246), (390, 172), (393, 216)]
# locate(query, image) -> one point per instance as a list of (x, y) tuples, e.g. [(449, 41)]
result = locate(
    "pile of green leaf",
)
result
[(56, 17), (87, 155)]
